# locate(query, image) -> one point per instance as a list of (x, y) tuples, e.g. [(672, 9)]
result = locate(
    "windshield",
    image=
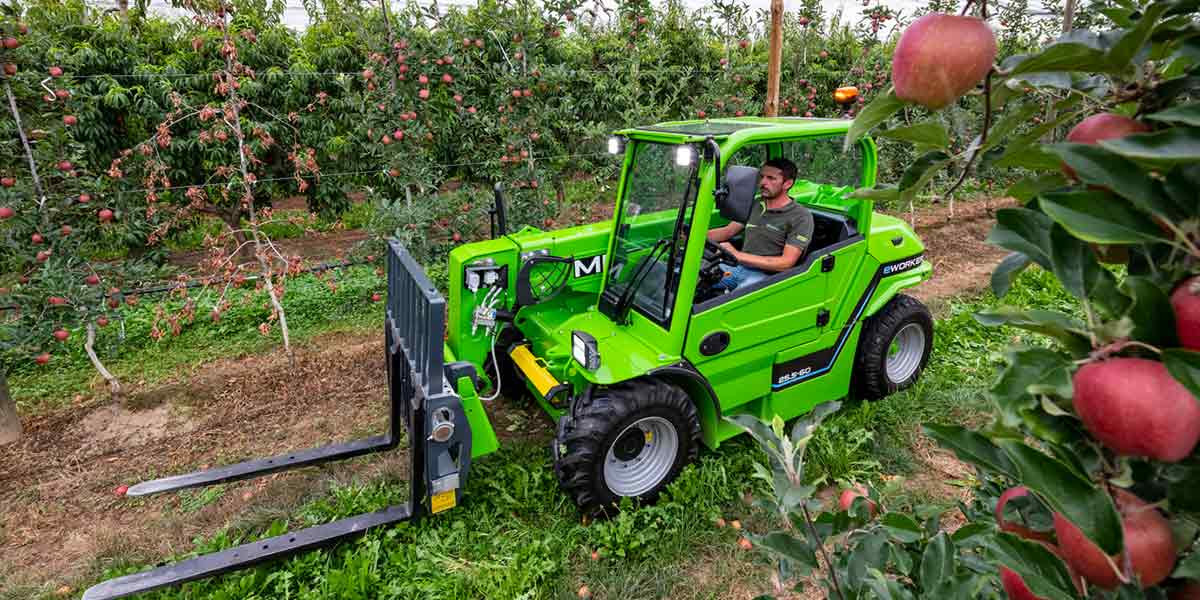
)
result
[(651, 233)]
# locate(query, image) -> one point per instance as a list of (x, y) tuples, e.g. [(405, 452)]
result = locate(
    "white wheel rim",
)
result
[(905, 352), (640, 474)]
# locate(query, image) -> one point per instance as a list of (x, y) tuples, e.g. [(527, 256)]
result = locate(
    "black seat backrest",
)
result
[(829, 228), (742, 183)]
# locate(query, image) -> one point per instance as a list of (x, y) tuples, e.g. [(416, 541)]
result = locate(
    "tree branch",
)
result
[(114, 385)]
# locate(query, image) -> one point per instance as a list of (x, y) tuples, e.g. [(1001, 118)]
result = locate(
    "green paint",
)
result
[(768, 327)]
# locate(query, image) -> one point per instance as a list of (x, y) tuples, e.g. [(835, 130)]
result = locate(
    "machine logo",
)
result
[(904, 265), (589, 265), (793, 375)]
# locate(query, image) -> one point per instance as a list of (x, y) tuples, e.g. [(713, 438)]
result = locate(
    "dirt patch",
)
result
[(312, 248), (115, 423), (962, 261)]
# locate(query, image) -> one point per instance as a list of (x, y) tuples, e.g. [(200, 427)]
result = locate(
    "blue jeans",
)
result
[(738, 276)]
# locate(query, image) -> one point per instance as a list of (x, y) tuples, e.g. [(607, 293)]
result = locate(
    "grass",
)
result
[(518, 536)]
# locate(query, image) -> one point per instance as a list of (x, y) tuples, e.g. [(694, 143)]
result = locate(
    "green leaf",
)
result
[(901, 527), (930, 133), (1135, 38), (1072, 334), (1188, 114), (1184, 366), (915, 173), (970, 534), (1042, 571), (937, 563), (1009, 123), (1029, 156), (1025, 231), (1073, 263), (880, 193), (1151, 312), (792, 548), (1010, 266), (1027, 188), (1099, 217), (971, 447), (874, 113), (1177, 144), (1066, 492), (807, 425), (1028, 368), (1189, 568), (1067, 56), (1097, 166)]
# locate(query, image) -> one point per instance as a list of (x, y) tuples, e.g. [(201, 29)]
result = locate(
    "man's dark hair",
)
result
[(785, 166)]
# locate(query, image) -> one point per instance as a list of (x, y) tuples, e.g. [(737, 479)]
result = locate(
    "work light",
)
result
[(584, 350), (684, 156), (615, 145)]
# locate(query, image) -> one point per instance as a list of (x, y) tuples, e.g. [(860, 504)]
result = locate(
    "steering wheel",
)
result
[(714, 256)]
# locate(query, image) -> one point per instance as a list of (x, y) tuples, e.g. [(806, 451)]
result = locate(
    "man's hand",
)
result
[(731, 250)]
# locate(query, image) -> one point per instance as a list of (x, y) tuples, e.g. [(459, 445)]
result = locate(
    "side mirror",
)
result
[(498, 214)]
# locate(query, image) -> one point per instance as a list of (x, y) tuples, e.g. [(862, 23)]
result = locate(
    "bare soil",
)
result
[(62, 520)]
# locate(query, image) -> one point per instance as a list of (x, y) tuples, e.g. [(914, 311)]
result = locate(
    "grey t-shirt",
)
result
[(769, 229)]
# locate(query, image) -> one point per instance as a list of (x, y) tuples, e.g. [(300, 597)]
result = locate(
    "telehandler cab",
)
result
[(615, 329)]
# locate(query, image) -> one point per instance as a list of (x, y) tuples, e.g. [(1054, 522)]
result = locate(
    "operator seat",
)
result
[(742, 183)]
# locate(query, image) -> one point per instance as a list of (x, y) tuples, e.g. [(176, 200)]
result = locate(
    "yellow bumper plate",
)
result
[(441, 502), (533, 370)]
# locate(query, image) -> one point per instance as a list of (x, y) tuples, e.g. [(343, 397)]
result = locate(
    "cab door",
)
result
[(734, 339)]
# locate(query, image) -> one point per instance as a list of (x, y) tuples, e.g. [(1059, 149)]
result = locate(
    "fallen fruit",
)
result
[(376, 297), (595, 555), (745, 543), (1147, 541), (584, 592), (121, 490), (940, 57), (1136, 408), (735, 524), (720, 522)]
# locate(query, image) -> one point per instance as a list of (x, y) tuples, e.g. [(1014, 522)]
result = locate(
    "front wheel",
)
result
[(894, 347), (627, 440)]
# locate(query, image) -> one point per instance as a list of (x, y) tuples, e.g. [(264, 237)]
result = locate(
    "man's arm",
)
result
[(722, 234), (791, 254)]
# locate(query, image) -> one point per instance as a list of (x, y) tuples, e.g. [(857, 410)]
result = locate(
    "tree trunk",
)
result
[(774, 58), (10, 423)]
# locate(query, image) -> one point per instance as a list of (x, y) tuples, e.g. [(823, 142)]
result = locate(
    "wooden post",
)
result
[(10, 423), (775, 58)]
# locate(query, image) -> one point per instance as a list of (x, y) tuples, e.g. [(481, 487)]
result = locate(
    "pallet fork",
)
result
[(424, 411)]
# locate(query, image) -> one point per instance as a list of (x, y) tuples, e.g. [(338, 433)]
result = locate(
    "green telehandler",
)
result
[(617, 330)]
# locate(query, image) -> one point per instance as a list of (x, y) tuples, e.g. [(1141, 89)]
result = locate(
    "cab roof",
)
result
[(740, 127)]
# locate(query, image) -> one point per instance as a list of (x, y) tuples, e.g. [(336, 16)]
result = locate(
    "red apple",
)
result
[(66, 230), (12, 43), (368, 74), (10, 69), (743, 44), (61, 335), (846, 499), (376, 297), (1014, 585), (43, 256), (84, 198), (6, 212), (1135, 407), (102, 321), (423, 94), (121, 490), (64, 165), (1016, 528), (1185, 300), (42, 358), (1147, 540), (105, 215), (55, 71), (1099, 127), (8, 181), (92, 279), (447, 78), (69, 120), (940, 57), (37, 238)]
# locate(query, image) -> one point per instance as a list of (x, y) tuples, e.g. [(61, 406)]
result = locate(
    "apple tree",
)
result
[(1093, 450)]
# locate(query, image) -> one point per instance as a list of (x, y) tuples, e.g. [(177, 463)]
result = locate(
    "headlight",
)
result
[(584, 350), (615, 145), (684, 156)]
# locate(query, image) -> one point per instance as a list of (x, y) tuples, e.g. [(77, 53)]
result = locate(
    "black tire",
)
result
[(596, 422), (871, 376)]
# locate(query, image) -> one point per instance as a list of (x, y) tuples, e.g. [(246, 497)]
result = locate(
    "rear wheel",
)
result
[(627, 440), (894, 347)]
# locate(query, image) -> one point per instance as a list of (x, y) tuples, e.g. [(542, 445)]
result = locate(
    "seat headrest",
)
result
[(742, 182)]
